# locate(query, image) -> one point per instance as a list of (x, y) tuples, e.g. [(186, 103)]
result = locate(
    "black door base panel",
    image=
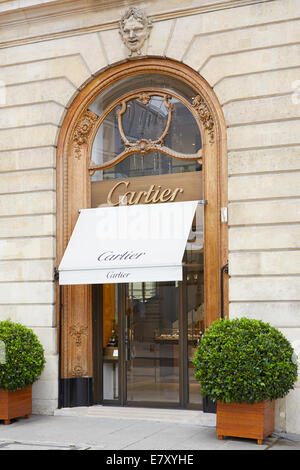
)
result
[(76, 391)]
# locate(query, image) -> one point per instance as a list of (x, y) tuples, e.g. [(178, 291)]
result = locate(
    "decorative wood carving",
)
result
[(82, 131), (77, 331), (78, 370), (144, 146), (205, 115)]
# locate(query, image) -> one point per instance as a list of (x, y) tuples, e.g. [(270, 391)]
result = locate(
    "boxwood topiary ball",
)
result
[(244, 360), (23, 360)]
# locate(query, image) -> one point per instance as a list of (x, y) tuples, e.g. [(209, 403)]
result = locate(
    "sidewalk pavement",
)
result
[(115, 428)]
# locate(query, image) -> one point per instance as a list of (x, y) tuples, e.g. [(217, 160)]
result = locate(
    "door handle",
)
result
[(126, 338), (224, 269)]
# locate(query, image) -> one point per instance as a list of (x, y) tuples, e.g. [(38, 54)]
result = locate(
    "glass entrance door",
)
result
[(146, 335), (152, 342)]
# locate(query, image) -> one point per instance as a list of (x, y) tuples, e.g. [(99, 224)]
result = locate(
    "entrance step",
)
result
[(147, 414)]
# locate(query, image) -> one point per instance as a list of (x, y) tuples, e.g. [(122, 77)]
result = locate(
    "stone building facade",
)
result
[(248, 53)]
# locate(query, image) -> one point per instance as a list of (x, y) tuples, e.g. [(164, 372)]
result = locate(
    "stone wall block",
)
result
[(264, 238), (264, 160), (24, 248), (273, 108), (264, 186), (264, 263), (56, 90), (218, 22), (115, 49), (253, 85), (31, 315), (28, 159), (278, 314), (28, 137), (264, 135), (27, 292), (31, 115), (71, 67), (158, 40), (48, 338), (293, 411), (45, 390), (253, 61), (264, 212), (39, 180), (250, 37), (26, 270), (27, 203), (264, 288), (28, 226)]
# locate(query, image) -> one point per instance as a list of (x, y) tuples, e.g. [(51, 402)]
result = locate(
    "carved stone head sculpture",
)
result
[(134, 29)]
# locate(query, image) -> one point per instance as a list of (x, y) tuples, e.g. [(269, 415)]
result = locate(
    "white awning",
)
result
[(128, 244)]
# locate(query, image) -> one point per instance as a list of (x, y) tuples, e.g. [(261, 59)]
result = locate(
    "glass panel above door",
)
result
[(143, 118), (147, 122)]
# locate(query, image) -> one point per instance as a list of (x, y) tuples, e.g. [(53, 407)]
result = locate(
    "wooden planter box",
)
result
[(245, 420), (15, 404)]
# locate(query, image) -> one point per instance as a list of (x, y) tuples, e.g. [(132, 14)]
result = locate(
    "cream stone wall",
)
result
[(248, 51)]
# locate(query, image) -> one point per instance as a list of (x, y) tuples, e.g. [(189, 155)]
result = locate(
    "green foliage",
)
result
[(244, 360), (24, 356)]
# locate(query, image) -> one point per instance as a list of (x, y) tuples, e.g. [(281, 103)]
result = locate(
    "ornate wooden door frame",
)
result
[(73, 193)]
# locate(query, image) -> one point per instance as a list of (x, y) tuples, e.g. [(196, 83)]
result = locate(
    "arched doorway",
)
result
[(103, 136)]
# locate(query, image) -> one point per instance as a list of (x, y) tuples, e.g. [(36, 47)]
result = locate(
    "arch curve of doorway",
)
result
[(73, 193)]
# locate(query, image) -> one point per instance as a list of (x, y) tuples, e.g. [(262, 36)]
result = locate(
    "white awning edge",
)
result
[(117, 276)]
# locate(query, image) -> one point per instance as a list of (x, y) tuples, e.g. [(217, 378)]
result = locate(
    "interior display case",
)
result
[(111, 350), (172, 335)]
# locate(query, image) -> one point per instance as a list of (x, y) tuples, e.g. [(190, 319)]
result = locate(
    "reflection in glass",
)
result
[(110, 343), (193, 285), (147, 121), (152, 350), (153, 163), (141, 82)]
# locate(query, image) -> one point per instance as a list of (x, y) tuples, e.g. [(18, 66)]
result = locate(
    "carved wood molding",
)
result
[(205, 116), (78, 370), (145, 146), (77, 331), (82, 131)]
